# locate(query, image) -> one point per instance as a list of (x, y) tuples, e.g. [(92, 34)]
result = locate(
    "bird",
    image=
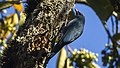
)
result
[(71, 32)]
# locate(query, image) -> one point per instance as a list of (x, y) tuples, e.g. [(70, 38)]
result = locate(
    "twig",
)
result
[(116, 25), (115, 44), (106, 29), (112, 24), (116, 20), (81, 1), (69, 49)]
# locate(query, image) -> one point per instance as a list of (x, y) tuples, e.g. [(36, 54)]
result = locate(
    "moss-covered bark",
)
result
[(35, 39)]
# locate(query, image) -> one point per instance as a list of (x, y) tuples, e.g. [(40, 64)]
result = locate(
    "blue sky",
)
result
[(93, 38)]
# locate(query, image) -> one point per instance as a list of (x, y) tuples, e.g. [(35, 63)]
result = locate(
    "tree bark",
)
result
[(35, 39)]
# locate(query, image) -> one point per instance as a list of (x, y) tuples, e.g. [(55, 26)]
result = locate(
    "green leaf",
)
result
[(116, 37), (22, 18), (103, 8)]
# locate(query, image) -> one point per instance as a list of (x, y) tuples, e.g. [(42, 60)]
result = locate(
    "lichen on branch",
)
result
[(35, 39)]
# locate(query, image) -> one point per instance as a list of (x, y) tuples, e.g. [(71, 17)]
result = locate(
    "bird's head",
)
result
[(79, 15)]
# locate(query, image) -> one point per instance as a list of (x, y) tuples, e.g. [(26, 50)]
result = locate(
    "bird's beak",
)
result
[(77, 12)]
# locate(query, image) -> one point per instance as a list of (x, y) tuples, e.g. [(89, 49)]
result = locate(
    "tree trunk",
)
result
[(35, 39)]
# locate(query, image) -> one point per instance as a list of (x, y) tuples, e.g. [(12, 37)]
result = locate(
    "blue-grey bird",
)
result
[(71, 32)]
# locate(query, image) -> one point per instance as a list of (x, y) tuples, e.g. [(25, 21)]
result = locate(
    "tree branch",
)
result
[(35, 39)]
